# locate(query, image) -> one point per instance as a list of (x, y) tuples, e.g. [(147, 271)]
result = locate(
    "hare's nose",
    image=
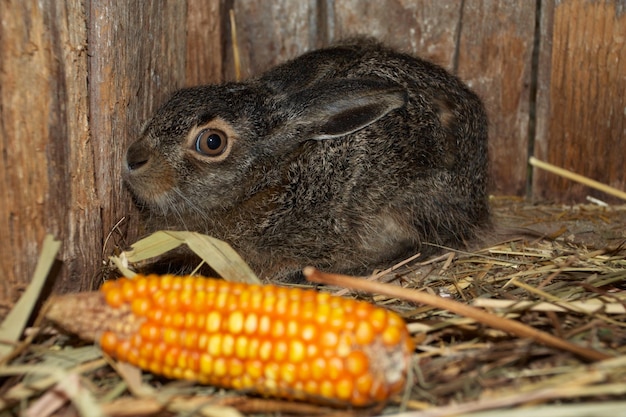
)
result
[(136, 156)]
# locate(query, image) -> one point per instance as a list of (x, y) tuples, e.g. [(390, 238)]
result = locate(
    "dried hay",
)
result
[(564, 276)]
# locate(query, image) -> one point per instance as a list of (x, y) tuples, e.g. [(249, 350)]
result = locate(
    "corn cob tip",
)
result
[(87, 315)]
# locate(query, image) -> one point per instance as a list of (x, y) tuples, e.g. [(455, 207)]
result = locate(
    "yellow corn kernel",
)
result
[(287, 342)]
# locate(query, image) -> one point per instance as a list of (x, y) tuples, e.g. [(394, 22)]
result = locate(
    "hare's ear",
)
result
[(337, 107)]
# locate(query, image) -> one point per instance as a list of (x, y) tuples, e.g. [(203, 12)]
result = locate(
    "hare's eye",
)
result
[(211, 142)]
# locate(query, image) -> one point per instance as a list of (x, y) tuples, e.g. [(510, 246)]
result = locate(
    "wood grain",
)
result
[(269, 33), (495, 59), (205, 41), (424, 28), (137, 60), (581, 119), (47, 177)]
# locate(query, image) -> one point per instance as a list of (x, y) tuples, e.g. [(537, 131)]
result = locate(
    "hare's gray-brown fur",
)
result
[(348, 158)]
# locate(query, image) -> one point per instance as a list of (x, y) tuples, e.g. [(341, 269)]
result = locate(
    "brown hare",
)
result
[(348, 159)]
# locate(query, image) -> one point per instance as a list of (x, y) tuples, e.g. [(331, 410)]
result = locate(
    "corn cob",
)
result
[(290, 343)]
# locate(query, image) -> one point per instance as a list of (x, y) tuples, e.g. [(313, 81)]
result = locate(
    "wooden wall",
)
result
[(78, 79)]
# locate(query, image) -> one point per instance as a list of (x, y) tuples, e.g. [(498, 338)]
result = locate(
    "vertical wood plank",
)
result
[(544, 74), (424, 28), (495, 58), (205, 41), (269, 33), (47, 178), (582, 117), (137, 60), (81, 244)]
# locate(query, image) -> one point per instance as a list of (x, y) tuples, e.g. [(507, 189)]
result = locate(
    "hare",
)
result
[(347, 158)]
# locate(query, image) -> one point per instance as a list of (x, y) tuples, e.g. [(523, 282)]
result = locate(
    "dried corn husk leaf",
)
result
[(218, 254), (13, 325)]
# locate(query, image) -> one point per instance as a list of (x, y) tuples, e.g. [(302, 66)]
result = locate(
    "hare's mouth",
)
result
[(152, 199), (151, 187)]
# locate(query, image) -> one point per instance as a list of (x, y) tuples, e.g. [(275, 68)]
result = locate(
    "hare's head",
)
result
[(215, 146)]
